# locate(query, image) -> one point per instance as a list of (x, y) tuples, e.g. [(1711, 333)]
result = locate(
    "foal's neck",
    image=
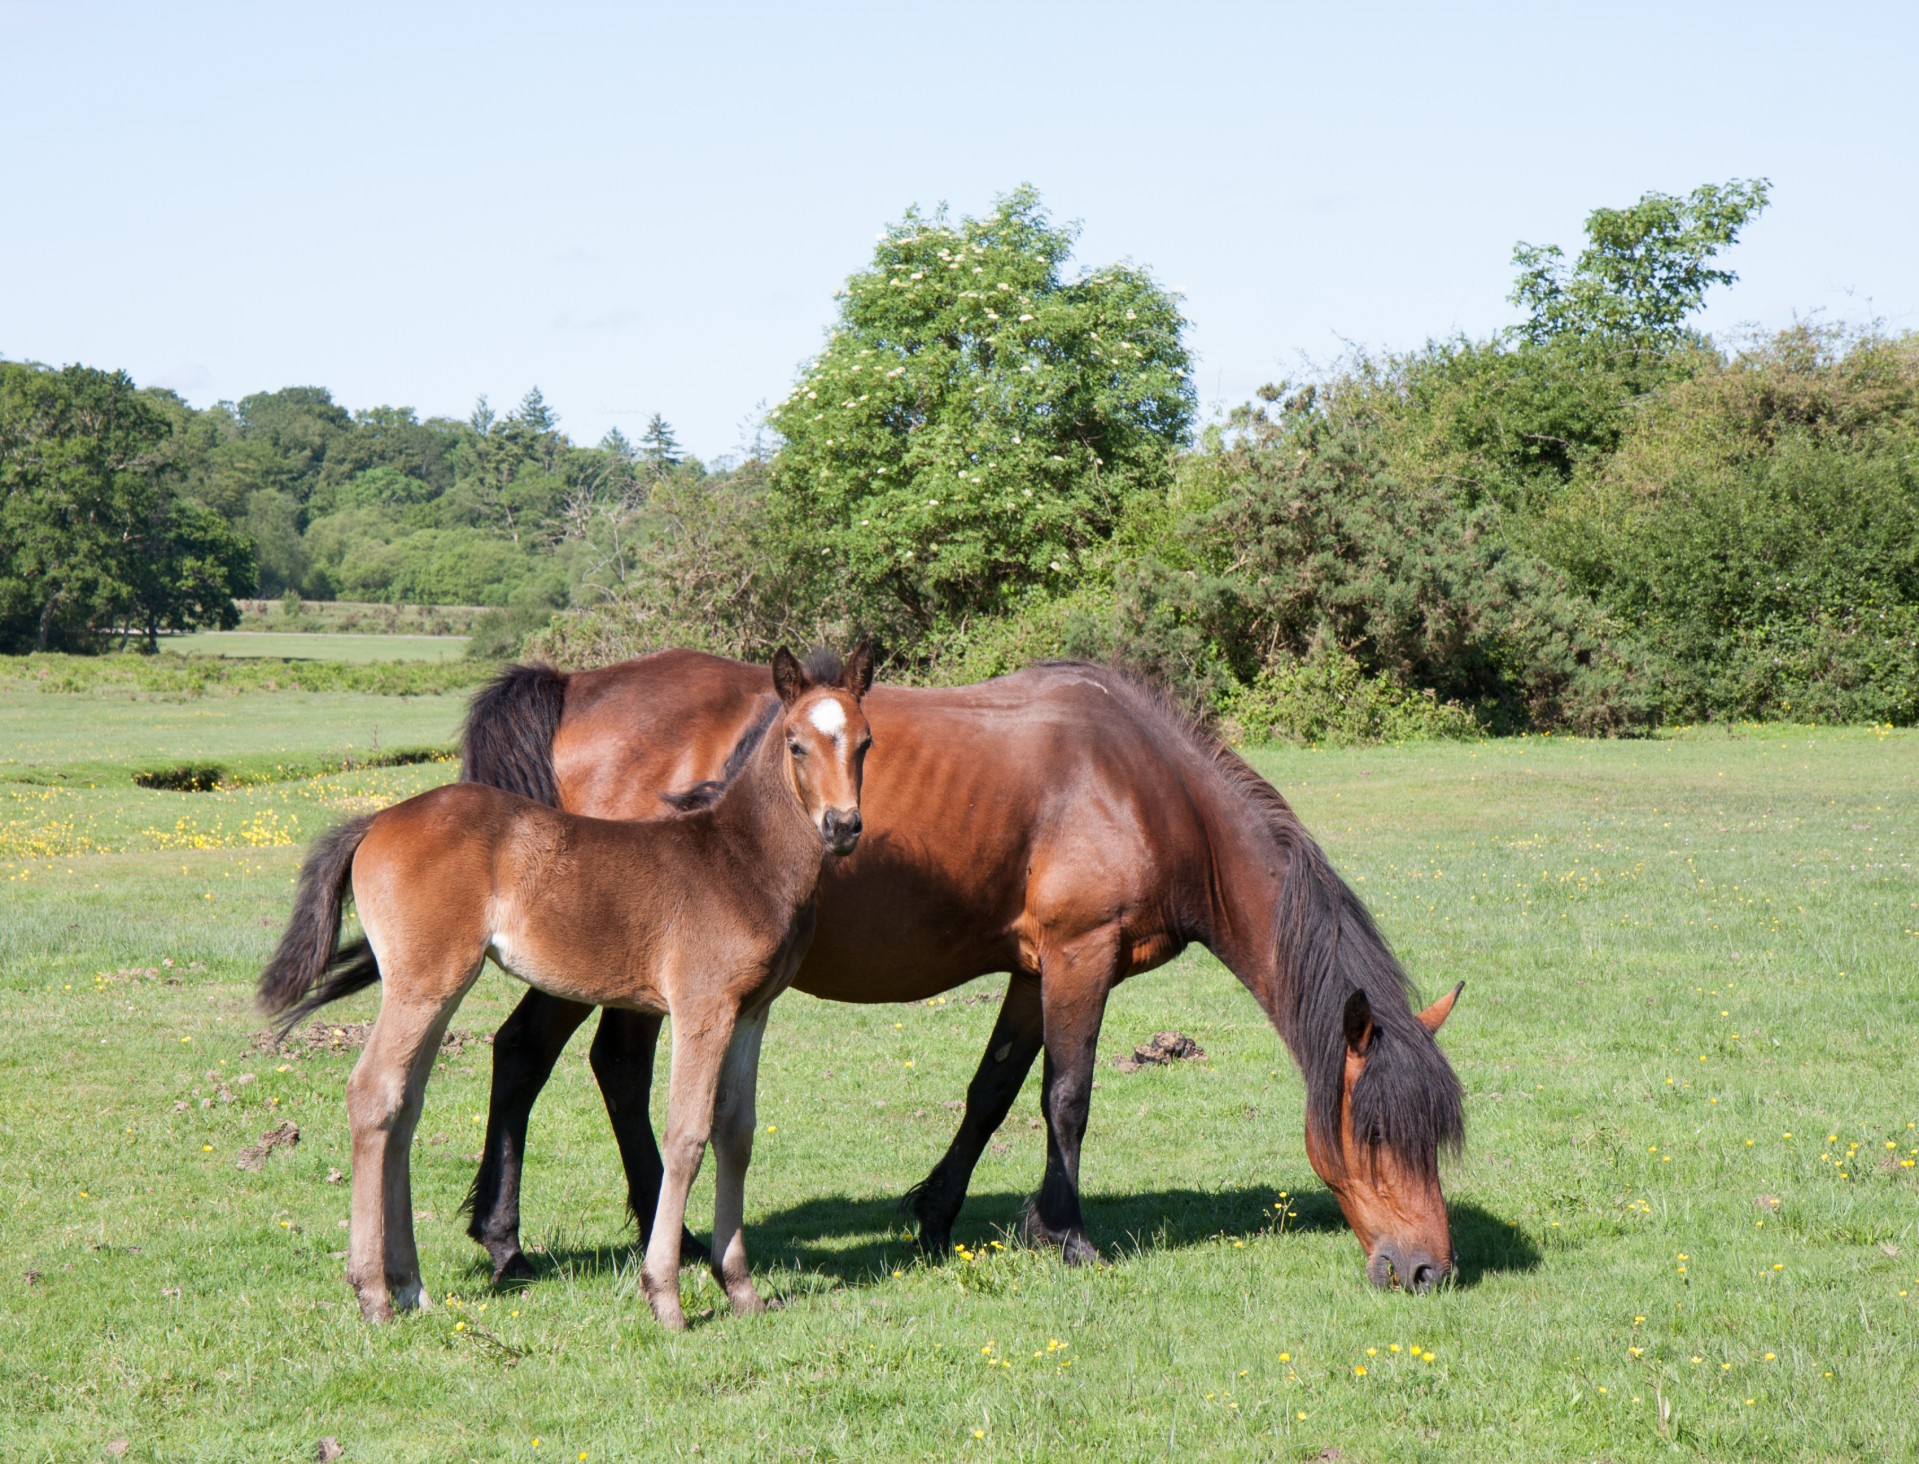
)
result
[(762, 814)]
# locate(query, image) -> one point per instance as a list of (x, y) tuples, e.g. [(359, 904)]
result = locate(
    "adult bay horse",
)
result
[(1063, 824), (703, 916)]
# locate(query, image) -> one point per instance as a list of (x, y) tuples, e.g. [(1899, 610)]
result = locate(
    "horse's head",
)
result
[(826, 741), (1383, 1166)]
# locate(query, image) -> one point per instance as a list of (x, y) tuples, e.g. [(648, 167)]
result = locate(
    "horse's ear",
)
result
[(1434, 1017), (857, 679), (1359, 1023), (789, 676)]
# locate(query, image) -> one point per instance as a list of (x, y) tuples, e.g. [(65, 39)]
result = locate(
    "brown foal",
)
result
[(702, 916)]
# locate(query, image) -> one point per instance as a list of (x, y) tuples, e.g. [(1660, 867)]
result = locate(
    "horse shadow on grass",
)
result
[(837, 1240)]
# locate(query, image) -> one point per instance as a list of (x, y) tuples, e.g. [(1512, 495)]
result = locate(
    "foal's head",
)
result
[(1382, 1166), (826, 740)]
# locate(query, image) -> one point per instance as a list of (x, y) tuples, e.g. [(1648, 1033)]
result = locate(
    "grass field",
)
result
[(1687, 1040), (319, 646)]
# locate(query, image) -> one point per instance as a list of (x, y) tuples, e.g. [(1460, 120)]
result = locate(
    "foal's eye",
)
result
[(796, 749)]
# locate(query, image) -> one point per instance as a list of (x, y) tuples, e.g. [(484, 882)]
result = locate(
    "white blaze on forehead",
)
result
[(829, 716)]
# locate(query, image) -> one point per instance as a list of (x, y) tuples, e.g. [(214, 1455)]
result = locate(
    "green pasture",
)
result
[(1687, 1213), (319, 646)]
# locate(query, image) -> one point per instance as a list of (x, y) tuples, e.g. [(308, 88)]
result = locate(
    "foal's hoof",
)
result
[(375, 1307), (935, 1241)]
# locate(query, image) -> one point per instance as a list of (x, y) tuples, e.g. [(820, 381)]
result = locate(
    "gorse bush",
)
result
[(1306, 542)]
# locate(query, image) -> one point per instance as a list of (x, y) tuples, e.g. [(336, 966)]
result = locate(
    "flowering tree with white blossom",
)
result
[(978, 423)]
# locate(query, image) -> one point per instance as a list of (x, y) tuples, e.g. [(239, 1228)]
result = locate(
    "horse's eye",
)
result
[(796, 749)]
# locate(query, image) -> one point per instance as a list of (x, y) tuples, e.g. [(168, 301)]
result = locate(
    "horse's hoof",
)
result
[(375, 1307), (1077, 1250), (934, 1241), (511, 1268)]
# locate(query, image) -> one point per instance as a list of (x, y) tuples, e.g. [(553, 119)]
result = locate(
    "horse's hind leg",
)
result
[(383, 1108), (1075, 979), (700, 1041), (935, 1201), (622, 1059), (734, 1116), (527, 1045)]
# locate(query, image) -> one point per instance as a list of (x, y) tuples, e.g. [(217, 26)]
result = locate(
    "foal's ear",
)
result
[(789, 676), (1359, 1023), (857, 678)]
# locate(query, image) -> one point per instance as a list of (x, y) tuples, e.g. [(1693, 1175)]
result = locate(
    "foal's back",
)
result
[(591, 909)]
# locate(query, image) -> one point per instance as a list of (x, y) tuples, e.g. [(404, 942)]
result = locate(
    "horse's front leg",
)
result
[(622, 1057), (527, 1045), (935, 1201), (735, 1114), (1075, 978), (700, 1041)]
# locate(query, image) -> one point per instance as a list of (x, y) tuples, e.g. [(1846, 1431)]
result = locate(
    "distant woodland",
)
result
[(1599, 519)]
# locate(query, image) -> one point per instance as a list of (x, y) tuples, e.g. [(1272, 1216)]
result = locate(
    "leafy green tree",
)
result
[(977, 424), (92, 531), (1644, 271)]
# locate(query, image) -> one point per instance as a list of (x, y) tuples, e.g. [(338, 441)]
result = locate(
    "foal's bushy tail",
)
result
[(309, 969)]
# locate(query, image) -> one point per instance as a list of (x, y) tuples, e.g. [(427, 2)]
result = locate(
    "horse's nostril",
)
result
[(1425, 1275)]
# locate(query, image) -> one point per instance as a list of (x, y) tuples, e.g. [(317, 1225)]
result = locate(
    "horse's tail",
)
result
[(508, 739), (309, 969)]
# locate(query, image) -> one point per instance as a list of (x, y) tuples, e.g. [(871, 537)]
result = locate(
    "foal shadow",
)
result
[(837, 1240)]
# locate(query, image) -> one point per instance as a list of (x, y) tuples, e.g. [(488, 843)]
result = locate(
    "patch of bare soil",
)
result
[(346, 1037), (1165, 1048)]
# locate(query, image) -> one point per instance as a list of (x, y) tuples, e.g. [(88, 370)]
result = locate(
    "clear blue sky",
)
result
[(647, 208)]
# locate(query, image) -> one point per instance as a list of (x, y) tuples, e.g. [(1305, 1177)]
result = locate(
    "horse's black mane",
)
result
[(709, 792), (1326, 947)]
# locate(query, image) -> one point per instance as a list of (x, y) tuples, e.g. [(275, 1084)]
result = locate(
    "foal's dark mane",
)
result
[(1326, 946)]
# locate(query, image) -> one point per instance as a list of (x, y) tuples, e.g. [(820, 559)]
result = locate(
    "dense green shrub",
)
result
[(1760, 525), (1329, 698)]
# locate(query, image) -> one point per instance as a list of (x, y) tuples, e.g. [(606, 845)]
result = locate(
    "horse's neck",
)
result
[(1248, 869), (761, 815)]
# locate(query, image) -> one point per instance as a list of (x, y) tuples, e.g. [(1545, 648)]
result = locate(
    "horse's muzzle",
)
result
[(1415, 1270), (840, 830)]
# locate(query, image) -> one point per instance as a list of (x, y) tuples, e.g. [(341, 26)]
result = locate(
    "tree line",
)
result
[(1599, 519)]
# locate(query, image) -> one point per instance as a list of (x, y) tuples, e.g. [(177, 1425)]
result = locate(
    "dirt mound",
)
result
[(254, 1156), (1165, 1048)]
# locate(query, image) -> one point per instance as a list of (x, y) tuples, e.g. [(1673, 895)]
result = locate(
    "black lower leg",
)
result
[(524, 1051), (935, 1201), (1054, 1216), (622, 1058)]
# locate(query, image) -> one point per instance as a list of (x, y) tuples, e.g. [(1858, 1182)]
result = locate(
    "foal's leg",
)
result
[(1075, 979), (622, 1059), (383, 1108), (700, 1040), (935, 1201), (734, 1116), (527, 1045)]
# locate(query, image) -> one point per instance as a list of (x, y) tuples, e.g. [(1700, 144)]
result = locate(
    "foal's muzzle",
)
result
[(840, 830)]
